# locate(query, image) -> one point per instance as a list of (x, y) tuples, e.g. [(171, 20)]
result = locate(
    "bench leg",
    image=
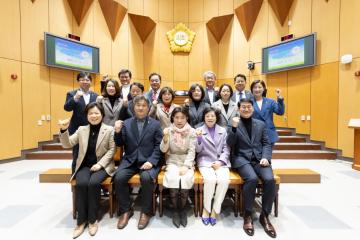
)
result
[(161, 200), (241, 200), (201, 199), (196, 209), (154, 200), (111, 201), (73, 202), (236, 208), (276, 201)]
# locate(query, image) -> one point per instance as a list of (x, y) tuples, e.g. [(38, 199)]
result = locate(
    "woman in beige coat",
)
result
[(179, 146), (93, 165)]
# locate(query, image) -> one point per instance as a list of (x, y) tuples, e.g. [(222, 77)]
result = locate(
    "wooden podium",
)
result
[(355, 124)]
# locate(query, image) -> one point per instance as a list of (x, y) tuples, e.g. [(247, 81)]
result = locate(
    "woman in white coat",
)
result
[(227, 107)]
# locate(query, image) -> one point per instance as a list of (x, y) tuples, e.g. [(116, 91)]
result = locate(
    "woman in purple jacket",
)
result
[(213, 162)]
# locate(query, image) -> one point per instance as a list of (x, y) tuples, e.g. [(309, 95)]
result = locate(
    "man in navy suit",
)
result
[(141, 137), (211, 95), (251, 158), (153, 93), (241, 92), (76, 102)]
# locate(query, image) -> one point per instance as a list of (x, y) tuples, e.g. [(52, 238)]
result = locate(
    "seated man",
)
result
[(251, 159), (141, 137)]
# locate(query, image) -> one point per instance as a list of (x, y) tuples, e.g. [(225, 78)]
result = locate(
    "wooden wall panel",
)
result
[(151, 55), (196, 10), (86, 28), (325, 21), (196, 56), (300, 17), (136, 58), (211, 9), (211, 52), (275, 30), (166, 11), (10, 30), (60, 17), (151, 9), (241, 49), (181, 11), (226, 7), (166, 62), (34, 22), (11, 122), (120, 48), (136, 7), (35, 77), (324, 103), (226, 53)]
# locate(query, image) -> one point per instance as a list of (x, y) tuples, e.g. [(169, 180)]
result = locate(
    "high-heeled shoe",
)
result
[(205, 220)]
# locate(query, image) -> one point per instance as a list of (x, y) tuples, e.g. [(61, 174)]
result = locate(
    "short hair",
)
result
[(139, 85), (182, 110), (124, 71), (240, 75), (154, 74), (93, 105), (221, 87), (207, 73), (262, 84), (212, 109), (83, 75), (192, 89), (166, 90), (244, 100), (140, 98), (104, 92)]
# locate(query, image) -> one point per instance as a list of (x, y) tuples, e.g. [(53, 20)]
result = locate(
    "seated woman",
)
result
[(178, 144), (227, 107), (197, 104), (127, 111), (110, 101), (162, 110), (93, 165), (213, 162)]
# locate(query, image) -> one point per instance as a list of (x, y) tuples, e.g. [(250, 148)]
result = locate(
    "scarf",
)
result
[(180, 135)]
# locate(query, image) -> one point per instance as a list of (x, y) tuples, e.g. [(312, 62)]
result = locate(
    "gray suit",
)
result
[(196, 115), (111, 113), (248, 94), (226, 117)]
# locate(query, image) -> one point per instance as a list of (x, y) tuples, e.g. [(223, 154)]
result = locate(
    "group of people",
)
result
[(217, 129)]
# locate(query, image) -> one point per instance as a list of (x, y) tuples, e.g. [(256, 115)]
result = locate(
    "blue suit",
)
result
[(269, 107)]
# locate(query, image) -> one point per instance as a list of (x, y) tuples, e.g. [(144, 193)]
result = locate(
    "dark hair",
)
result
[(244, 100), (139, 85), (262, 83), (83, 75), (124, 71), (154, 74), (93, 105), (192, 89), (139, 99), (221, 87), (212, 109), (182, 110), (240, 75), (104, 92), (166, 90)]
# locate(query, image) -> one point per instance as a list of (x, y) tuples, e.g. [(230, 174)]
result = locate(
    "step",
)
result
[(291, 139), (55, 175), (284, 132), (43, 155), (297, 146), (304, 154), (52, 147)]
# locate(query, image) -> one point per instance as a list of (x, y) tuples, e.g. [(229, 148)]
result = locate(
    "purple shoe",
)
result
[(212, 221), (205, 221)]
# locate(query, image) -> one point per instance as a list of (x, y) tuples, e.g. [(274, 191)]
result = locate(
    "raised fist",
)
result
[(99, 98), (78, 94), (235, 122), (198, 132), (118, 126), (64, 124)]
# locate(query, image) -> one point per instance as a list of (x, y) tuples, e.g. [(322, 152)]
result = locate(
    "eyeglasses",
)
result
[(243, 107)]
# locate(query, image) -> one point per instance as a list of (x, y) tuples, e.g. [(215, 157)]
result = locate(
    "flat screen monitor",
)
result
[(292, 54), (65, 53)]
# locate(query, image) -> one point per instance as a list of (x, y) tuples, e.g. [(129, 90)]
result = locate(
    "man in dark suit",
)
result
[(125, 80), (141, 137), (251, 158), (153, 93), (211, 94), (76, 102), (240, 92)]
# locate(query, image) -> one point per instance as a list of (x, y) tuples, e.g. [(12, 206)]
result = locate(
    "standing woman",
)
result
[(161, 110), (111, 101), (264, 107), (93, 164), (197, 105), (178, 144), (213, 162), (226, 106)]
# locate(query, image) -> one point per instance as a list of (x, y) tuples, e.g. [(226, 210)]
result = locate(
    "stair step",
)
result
[(292, 139), (55, 175), (40, 155), (52, 147), (297, 146), (305, 154), (284, 132)]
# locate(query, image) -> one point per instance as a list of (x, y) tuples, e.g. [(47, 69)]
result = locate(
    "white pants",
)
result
[(218, 179), (172, 178)]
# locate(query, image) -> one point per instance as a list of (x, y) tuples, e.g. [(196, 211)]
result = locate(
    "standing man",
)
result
[(153, 93), (252, 160), (125, 79), (76, 102), (141, 137), (240, 84), (211, 95)]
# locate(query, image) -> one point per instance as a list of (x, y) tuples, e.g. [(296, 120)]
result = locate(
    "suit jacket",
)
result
[(105, 146), (248, 94), (159, 114), (111, 113), (207, 99), (226, 117), (196, 115), (78, 117), (129, 97), (243, 148), (269, 107), (150, 94), (139, 149), (210, 150), (127, 112)]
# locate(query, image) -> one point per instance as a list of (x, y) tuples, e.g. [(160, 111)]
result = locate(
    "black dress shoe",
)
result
[(248, 226), (176, 219), (183, 218), (268, 227)]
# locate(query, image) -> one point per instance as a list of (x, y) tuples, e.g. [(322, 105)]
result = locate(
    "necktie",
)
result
[(154, 96)]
